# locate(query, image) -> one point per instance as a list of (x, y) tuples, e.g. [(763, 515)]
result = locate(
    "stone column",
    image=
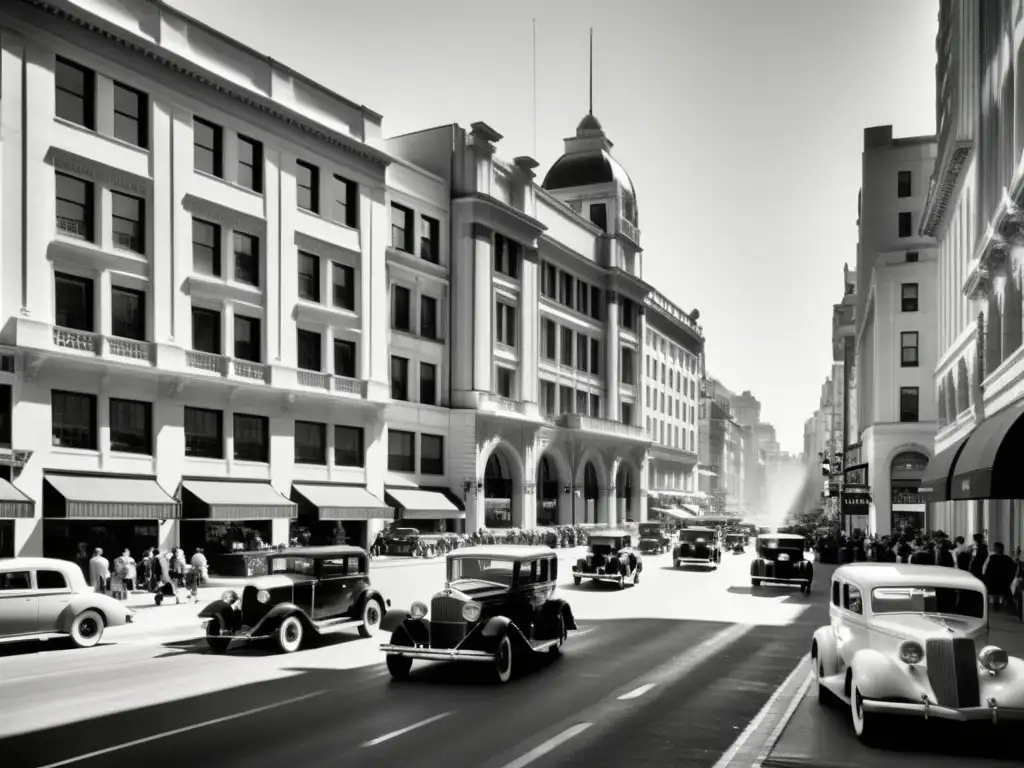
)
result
[(529, 354), (611, 362), (483, 300)]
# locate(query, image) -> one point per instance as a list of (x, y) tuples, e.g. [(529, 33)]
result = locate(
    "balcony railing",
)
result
[(314, 379), (72, 227), (627, 228), (601, 426), (347, 385), (246, 369), (130, 348), (204, 361), (78, 341)]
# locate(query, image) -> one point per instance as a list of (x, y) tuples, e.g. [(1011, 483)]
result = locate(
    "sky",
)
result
[(740, 123)]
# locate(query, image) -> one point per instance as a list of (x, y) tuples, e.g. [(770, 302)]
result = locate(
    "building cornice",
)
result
[(564, 210), (673, 314), (1005, 230), (494, 213), (943, 190)]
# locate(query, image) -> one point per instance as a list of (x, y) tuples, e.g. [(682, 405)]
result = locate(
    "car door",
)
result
[(523, 601), (850, 627), (54, 596), (333, 589), (19, 605)]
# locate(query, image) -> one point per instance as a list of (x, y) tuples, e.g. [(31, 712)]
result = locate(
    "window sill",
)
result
[(78, 127), (204, 459), (68, 451), (251, 462), (130, 454), (324, 218)]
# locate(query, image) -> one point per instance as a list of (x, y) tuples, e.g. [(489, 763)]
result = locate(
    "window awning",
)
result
[(14, 503), (989, 464), (107, 497), (340, 502), (935, 485), (425, 503), (676, 512), (692, 510), (234, 500)]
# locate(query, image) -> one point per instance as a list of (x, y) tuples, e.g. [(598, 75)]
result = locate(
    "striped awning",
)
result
[(425, 503), (106, 497), (229, 500), (341, 502), (14, 503)]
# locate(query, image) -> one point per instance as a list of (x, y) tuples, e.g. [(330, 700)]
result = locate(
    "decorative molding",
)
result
[(174, 388), (495, 213), (942, 192), (31, 363), (482, 231), (223, 215), (322, 248), (116, 178), (288, 401), (529, 488)]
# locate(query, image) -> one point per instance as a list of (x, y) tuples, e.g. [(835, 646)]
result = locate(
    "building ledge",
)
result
[(943, 191)]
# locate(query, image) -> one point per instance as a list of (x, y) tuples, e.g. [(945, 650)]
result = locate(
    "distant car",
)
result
[(736, 542), (780, 560), (653, 539), (912, 640), (697, 546), (42, 597), (307, 591), (610, 557), (497, 604)]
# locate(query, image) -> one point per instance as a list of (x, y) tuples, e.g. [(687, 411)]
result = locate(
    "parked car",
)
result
[(912, 640), (653, 539), (610, 557), (780, 560), (697, 546), (736, 542), (497, 604), (307, 591), (42, 598)]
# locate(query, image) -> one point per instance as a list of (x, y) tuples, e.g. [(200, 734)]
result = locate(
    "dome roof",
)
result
[(586, 161)]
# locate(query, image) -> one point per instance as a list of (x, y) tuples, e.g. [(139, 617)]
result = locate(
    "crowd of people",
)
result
[(166, 574), (433, 544)]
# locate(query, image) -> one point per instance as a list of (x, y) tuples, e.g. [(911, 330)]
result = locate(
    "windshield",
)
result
[(646, 529), (956, 602), (692, 536), (299, 565), (604, 546), (481, 569)]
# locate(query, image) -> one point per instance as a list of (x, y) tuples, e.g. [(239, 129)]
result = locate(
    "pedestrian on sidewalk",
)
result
[(99, 571), (998, 573), (201, 567), (117, 585), (131, 572)]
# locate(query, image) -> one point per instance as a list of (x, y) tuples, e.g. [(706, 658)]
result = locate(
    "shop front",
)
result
[(14, 505), (856, 509), (331, 513), (907, 503), (83, 512), (428, 510), (670, 517)]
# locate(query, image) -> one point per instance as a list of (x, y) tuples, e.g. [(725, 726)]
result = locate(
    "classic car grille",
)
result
[(447, 627), (446, 609), (783, 570), (953, 671), (684, 549), (701, 550)]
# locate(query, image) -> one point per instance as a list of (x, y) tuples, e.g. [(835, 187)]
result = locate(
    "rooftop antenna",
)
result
[(535, 86), (591, 70)]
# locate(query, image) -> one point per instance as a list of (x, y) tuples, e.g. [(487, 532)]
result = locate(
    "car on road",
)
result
[(497, 606), (307, 591), (697, 546), (610, 557), (42, 598), (781, 560), (912, 640), (737, 542), (653, 539)]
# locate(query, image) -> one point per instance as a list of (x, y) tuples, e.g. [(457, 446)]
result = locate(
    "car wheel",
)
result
[(216, 643), (289, 634), (865, 724), (636, 578), (824, 694), (576, 580), (87, 629), (398, 666), (755, 582), (503, 659), (372, 615), (556, 649)]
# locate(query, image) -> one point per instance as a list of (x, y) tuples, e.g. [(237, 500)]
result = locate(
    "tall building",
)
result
[(975, 209), (746, 410), (721, 451)]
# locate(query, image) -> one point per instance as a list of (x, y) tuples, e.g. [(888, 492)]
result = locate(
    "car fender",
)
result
[(581, 563), (229, 617), (553, 608), (755, 567), (370, 594), (393, 619), (415, 631), (879, 677), (215, 608), (1006, 687), (828, 657), (277, 614), (114, 613)]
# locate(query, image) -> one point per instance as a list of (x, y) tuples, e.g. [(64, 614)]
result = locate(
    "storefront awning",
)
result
[(106, 497), (692, 510), (675, 512), (14, 503), (935, 486), (425, 503), (989, 464), (340, 502), (234, 500)]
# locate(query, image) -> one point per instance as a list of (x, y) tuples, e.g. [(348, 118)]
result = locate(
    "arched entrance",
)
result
[(908, 505), (497, 492), (547, 492), (625, 506), (590, 493)]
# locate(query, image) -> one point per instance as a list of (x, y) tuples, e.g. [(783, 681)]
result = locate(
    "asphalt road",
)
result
[(666, 673)]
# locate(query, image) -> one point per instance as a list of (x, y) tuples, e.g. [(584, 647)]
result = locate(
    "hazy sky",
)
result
[(740, 123)]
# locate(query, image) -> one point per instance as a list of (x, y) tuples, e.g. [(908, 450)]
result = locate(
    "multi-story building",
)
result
[(746, 409), (974, 209), (721, 450), (785, 474), (895, 328)]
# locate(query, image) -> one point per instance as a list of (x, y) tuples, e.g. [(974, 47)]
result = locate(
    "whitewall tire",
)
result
[(503, 659), (372, 615), (87, 629), (289, 634), (865, 724)]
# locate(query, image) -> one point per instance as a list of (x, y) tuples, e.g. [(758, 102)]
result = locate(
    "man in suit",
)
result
[(99, 571)]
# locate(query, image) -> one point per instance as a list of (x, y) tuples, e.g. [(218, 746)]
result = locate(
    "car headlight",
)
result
[(471, 611), (263, 596), (911, 652), (229, 596), (783, 558), (993, 658), (418, 610)]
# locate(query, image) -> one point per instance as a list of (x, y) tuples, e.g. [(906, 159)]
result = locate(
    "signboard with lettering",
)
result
[(856, 475), (856, 503)]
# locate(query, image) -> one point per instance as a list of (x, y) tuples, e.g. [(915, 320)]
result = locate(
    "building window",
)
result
[(595, 302), (343, 286), (399, 378), (909, 404), (908, 349), (345, 358), (130, 122), (309, 277), (431, 455), (548, 338), (627, 413), (627, 314), (309, 351), (250, 163), (599, 215), (547, 398), (131, 426), (310, 443), (506, 256), (401, 309), (401, 451), (567, 339), (348, 446), (128, 313), (307, 186), (247, 258), (912, 257), (401, 223), (582, 351), (581, 402), (628, 375), (430, 240), (345, 208), (908, 297), (204, 433), (505, 385), (205, 248), (549, 281), (565, 290), (251, 438), (905, 223), (73, 417), (247, 338), (74, 199), (428, 318), (128, 222), (428, 383), (505, 324), (564, 399), (595, 406), (903, 184), (75, 94), (74, 302), (207, 141), (206, 330)]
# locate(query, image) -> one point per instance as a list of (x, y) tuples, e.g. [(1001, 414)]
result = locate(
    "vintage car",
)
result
[(497, 604), (913, 640), (697, 546), (307, 590), (411, 542), (610, 557), (42, 598), (653, 539), (780, 560), (736, 542)]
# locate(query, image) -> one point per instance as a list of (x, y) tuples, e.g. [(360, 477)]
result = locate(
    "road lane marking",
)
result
[(403, 731), (186, 729), (551, 744), (636, 693), (759, 718)]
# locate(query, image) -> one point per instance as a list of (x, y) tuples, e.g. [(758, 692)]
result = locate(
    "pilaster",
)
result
[(160, 306), (483, 335), (373, 241), (12, 165), (611, 363), (528, 333)]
